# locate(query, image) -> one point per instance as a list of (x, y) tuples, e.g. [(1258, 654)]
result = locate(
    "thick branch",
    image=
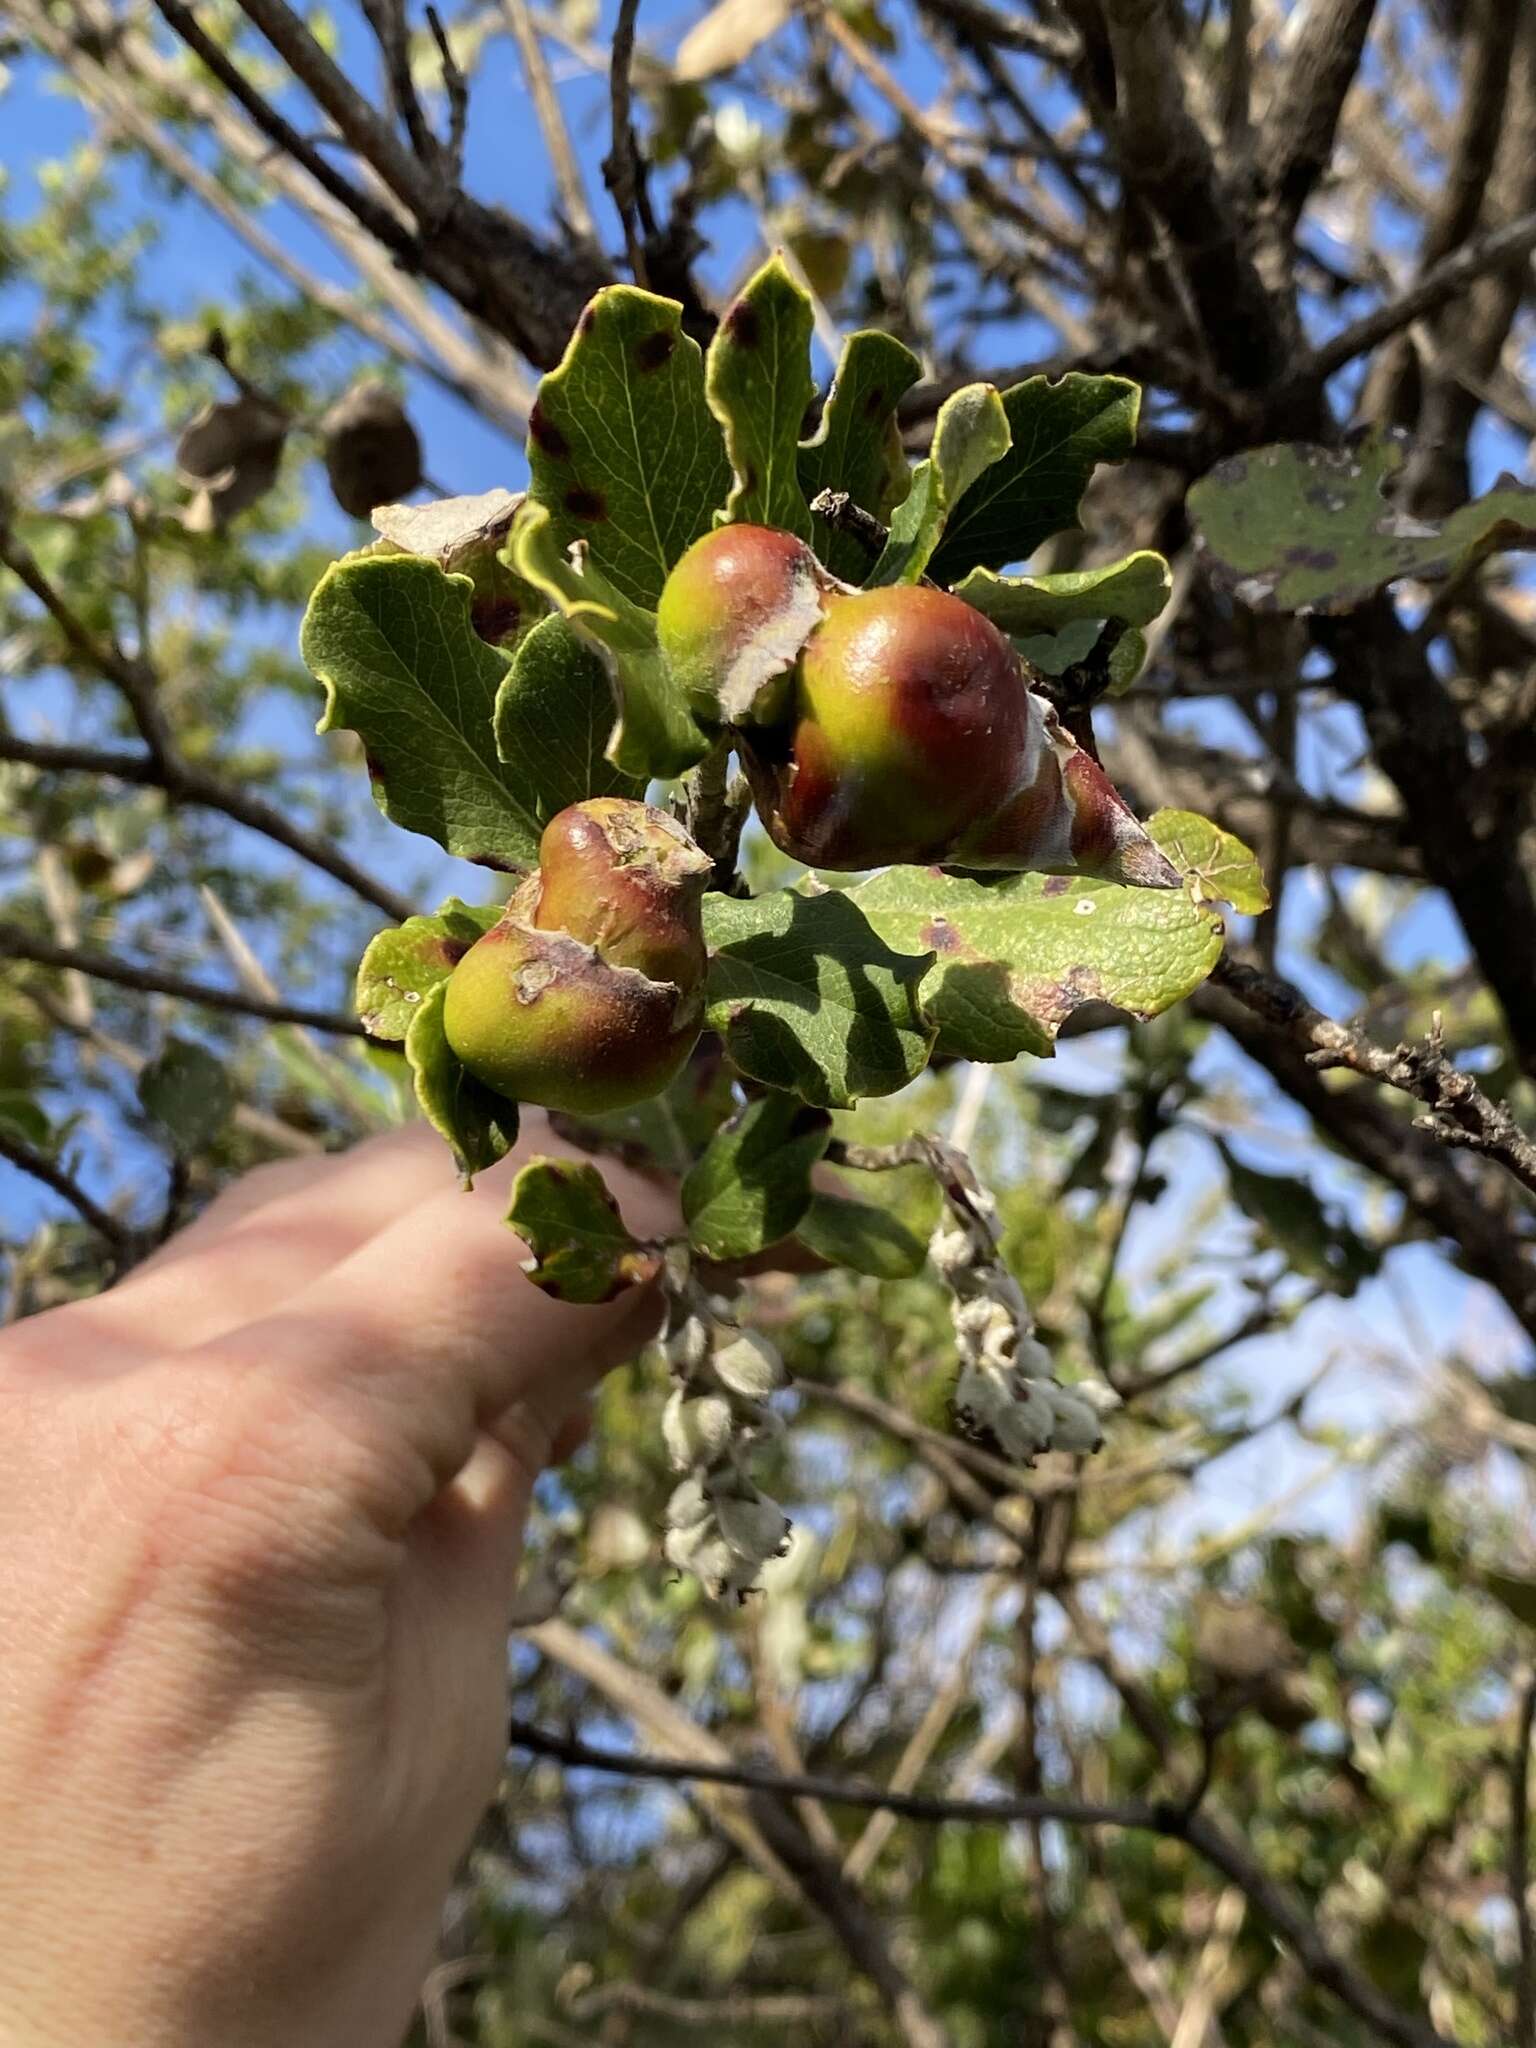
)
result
[(1296, 145), (17, 943)]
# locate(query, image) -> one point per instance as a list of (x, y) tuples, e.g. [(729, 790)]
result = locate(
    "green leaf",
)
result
[(583, 1251), (554, 718), (402, 965), (657, 733), (857, 1234), (808, 997), (1133, 591), (1290, 1216), (479, 1125), (668, 1130), (1054, 653), (1219, 867), (25, 1117), (970, 435), (390, 638), (757, 377), (857, 447), (753, 1183), (1012, 959), (188, 1093), (1295, 528), (622, 447), (1060, 433)]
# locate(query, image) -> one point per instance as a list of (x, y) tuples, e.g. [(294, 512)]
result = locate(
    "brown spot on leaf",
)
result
[(545, 435), (496, 620), (375, 768), (940, 936), (654, 350), (1056, 885), (494, 860), (874, 405), (743, 325), (584, 504), (587, 321)]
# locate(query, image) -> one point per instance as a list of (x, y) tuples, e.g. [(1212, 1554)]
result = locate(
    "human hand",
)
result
[(260, 1522)]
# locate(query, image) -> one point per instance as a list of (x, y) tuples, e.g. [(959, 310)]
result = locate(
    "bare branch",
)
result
[(623, 170), (1296, 142), (569, 182), (121, 1240), (16, 943)]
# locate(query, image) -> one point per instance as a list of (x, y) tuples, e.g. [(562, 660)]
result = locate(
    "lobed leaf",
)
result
[(752, 1184), (583, 1251), (808, 997), (1296, 528), (623, 451), (856, 447), (1012, 959), (390, 638), (479, 1125), (401, 966), (970, 435), (1059, 434), (1218, 866), (757, 377)]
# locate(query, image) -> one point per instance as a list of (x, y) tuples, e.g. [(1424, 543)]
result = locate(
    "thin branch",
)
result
[(1434, 289), (1458, 1112), (161, 766), (569, 182), (1205, 1836), (17, 943), (14, 1148), (623, 173)]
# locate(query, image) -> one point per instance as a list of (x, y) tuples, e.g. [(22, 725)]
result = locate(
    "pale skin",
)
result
[(260, 1522)]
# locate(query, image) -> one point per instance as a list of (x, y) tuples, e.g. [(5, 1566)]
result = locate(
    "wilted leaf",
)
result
[(657, 733), (467, 536), (808, 997), (1060, 433), (390, 638), (969, 437), (858, 1235), (401, 966), (583, 1251), (1012, 959), (752, 1184), (622, 447), (188, 1093), (856, 447), (1219, 867), (1296, 528), (727, 36), (479, 1125), (758, 380)]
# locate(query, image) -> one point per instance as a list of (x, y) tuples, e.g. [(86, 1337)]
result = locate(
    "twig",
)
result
[(839, 511), (16, 943), (1458, 1112), (1297, 141), (623, 172), (1434, 289), (161, 766), (569, 182), (456, 92), (1202, 1834), (122, 1240)]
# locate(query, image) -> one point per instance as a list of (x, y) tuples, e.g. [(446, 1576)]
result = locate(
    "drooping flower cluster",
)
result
[(1007, 1394)]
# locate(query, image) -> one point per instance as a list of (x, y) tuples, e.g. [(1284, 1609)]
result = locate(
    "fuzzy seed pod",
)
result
[(372, 454)]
